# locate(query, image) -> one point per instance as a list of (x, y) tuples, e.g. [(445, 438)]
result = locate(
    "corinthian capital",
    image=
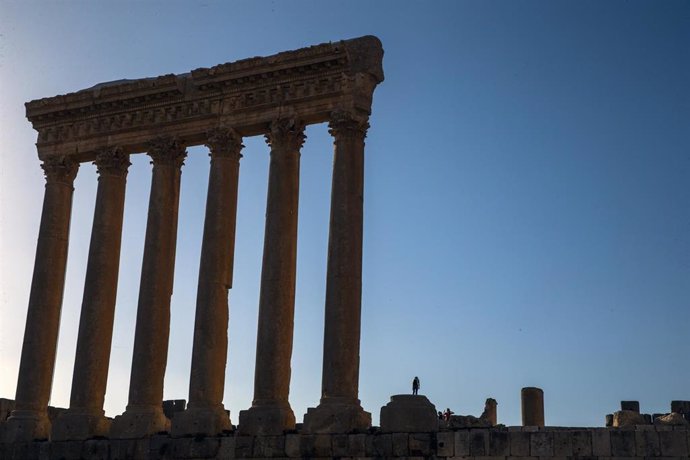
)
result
[(346, 124), (166, 150), (113, 162), (224, 143), (287, 132), (60, 169)]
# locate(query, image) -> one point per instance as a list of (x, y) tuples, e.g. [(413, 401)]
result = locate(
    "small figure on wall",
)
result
[(415, 385)]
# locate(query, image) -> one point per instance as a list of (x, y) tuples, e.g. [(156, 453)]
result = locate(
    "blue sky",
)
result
[(527, 202)]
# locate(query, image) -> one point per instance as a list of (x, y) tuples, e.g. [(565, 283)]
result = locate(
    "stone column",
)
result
[(532, 406), (271, 412), (85, 417), (205, 413), (339, 410), (29, 419), (144, 415)]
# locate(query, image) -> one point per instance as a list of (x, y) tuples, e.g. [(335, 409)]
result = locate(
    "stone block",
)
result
[(581, 443), (519, 443), (445, 444), (622, 443), (631, 406), (382, 445), (462, 443), (62, 449), (40, 450), (292, 445), (409, 414), (541, 444), (95, 449), (679, 407), (357, 445), (244, 446), (479, 442), (562, 444), (420, 444), (601, 442), (159, 447), (306, 445), (400, 445), (624, 418), (340, 445), (227, 448), (499, 443), (323, 446), (128, 449), (269, 446), (673, 443), (647, 443)]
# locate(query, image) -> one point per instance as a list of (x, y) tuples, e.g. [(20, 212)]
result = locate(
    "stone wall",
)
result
[(508, 443)]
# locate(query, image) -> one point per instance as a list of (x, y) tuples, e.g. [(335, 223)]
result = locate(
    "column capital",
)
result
[(166, 150), (60, 169), (288, 132), (344, 123), (224, 142), (112, 162)]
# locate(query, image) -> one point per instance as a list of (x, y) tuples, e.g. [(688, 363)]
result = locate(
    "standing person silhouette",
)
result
[(415, 385)]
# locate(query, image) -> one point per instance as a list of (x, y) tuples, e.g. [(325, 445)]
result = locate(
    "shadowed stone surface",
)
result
[(409, 414)]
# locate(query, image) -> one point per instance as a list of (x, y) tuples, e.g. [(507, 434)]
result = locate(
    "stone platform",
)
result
[(507, 443)]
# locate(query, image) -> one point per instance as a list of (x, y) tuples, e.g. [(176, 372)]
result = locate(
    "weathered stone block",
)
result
[(40, 450), (400, 445), (95, 449), (292, 445), (647, 443), (357, 445), (631, 405), (519, 443), (562, 444), (323, 447), (180, 448), (244, 446), (479, 442), (269, 446), (227, 448), (541, 444), (462, 443), (581, 443), (673, 443), (445, 444), (409, 414), (159, 447), (601, 442), (128, 449), (622, 443), (499, 443), (340, 445), (420, 444), (306, 445), (382, 445), (62, 450), (624, 418)]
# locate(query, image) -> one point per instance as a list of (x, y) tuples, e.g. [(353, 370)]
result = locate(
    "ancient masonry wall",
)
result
[(513, 443)]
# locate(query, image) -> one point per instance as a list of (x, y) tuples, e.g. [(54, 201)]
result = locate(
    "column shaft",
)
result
[(85, 417), (206, 414), (144, 414), (340, 409), (271, 412), (29, 420)]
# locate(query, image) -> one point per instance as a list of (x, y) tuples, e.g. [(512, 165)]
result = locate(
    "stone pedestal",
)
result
[(270, 413), (532, 406), (29, 419), (144, 414), (409, 414), (334, 416)]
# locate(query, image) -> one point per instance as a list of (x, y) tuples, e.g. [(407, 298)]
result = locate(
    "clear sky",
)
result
[(527, 196)]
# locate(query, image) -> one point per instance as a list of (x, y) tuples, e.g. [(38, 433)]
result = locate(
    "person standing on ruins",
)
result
[(415, 385)]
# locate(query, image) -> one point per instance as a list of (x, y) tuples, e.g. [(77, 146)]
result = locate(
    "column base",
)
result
[(80, 425), (26, 425), (337, 415), (140, 422), (207, 421), (268, 419)]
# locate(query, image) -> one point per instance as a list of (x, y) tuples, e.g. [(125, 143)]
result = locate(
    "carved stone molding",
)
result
[(224, 143), (345, 124), (286, 132), (60, 169), (166, 151), (113, 162)]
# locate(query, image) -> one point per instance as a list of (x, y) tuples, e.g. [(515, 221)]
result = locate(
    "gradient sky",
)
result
[(527, 197)]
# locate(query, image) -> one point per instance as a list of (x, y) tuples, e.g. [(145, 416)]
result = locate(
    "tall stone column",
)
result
[(144, 415), (339, 410), (205, 413), (85, 417), (271, 412), (29, 420)]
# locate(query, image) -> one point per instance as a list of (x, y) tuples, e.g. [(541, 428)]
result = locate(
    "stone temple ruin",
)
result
[(275, 96)]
